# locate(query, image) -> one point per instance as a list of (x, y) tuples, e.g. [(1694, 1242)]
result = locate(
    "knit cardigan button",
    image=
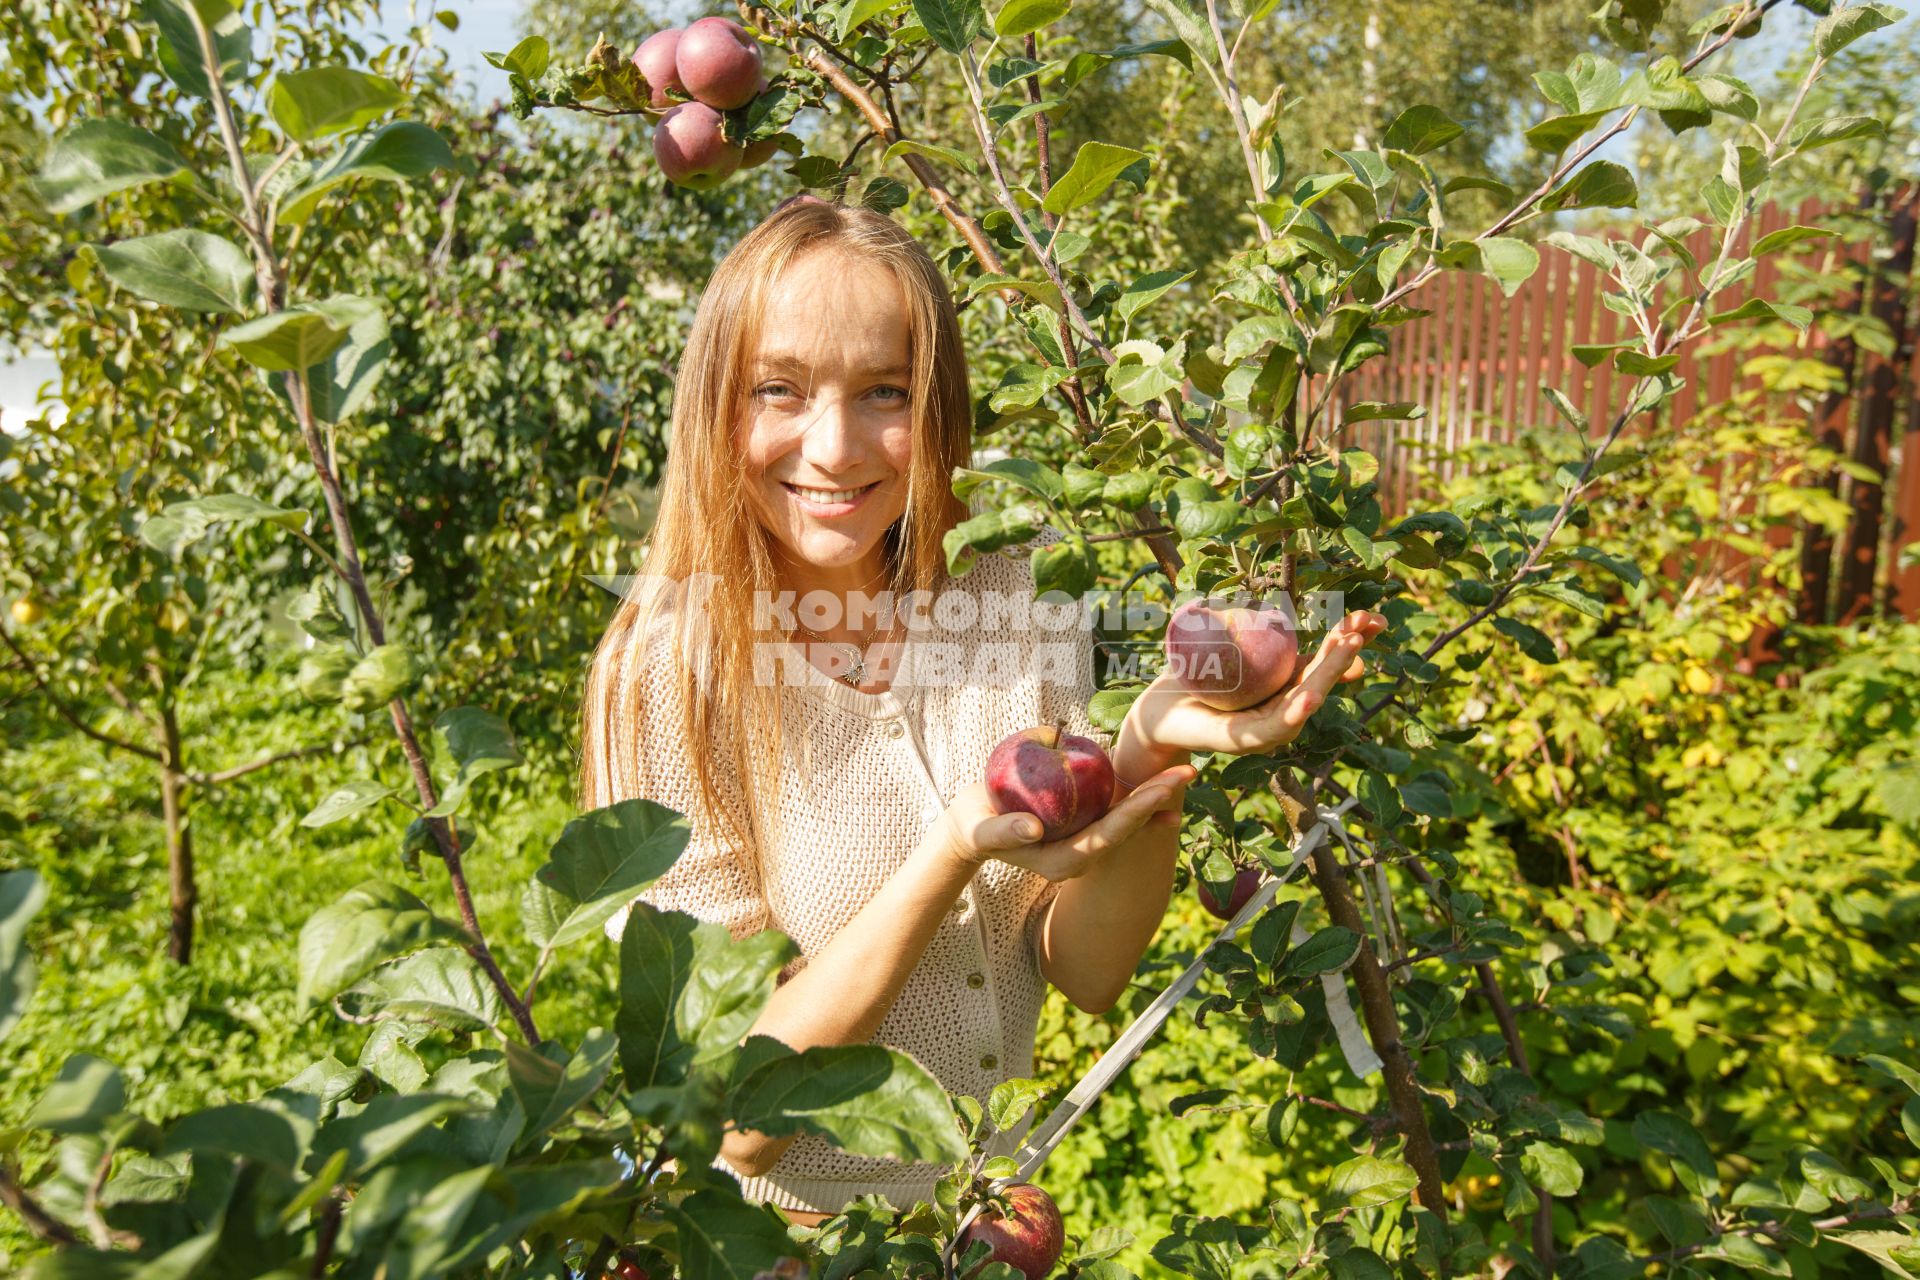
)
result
[(895, 729), (989, 1062)]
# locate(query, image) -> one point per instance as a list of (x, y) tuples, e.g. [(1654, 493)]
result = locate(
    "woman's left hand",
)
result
[(1167, 716)]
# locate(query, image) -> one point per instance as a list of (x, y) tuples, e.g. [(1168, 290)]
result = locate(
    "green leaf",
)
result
[(443, 985), (1197, 510), (1420, 129), (1556, 133), (1552, 1169), (1775, 241), (386, 673), (1510, 262), (1329, 950), (1036, 478), (1143, 292), (1018, 17), (1087, 61), (1838, 30), (720, 1236), (529, 58), (288, 341), (1532, 641), (1599, 184), (316, 101), (1729, 94), (180, 56), (339, 385), (990, 531), (1366, 1181), (192, 270), (87, 1092), (1820, 133), (22, 893), (1642, 365), (1094, 168), (952, 24), (345, 801), (244, 1131), (1255, 334), (1375, 410), (551, 1091), (1673, 1137), (478, 742), (1145, 371), (1067, 566), (946, 155), (182, 522), (1894, 1070), (399, 152), (372, 922), (386, 1124), (606, 858), (865, 1099), (1760, 309), (96, 158), (688, 991)]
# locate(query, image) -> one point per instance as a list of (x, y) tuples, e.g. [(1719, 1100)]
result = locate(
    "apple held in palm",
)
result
[(1062, 779), (1230, 656)]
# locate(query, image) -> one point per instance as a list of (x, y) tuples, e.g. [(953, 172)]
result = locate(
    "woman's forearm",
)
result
[(1101, 923), (845, 991)]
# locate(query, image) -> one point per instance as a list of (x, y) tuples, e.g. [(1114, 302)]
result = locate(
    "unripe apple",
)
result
[(1244, 887), (690, 148), (27, 611), (1031, 1236), (655, 58), (1230, 657), (1062, 779), (719, 63)]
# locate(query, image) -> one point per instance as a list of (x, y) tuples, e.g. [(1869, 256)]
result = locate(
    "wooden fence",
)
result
[(1478, 361)]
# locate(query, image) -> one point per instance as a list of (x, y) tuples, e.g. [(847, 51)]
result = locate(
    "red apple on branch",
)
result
[(719, 63), (691, 149), (1028, 1238), (1062, 779), (1244, 886), (655, 58), (1230, 656)]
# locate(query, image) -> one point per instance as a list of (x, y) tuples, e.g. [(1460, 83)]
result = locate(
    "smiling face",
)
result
[(827, 436)]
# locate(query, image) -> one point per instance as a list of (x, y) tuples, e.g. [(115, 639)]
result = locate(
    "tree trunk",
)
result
[(1830, 431), (1873, 442), (182, 894)]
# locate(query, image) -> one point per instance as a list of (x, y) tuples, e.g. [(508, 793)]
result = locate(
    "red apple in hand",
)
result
[(719, 63), (655, 58), (1244, 886), (690, 148), (1062, 779), (1230, 657), (1029, 1238)]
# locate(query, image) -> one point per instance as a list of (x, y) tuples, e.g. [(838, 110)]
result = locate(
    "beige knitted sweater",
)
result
[(883, 767)]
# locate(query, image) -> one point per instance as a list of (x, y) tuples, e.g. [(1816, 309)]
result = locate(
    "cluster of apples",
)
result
[(716, 64), (1230, 657)]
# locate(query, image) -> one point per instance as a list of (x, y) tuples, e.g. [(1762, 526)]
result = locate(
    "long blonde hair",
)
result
[(706, 525)]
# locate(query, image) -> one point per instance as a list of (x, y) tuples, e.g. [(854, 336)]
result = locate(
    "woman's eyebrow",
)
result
[(781, 361)]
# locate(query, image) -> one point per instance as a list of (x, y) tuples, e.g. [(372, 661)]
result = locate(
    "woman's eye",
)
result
[(901, 392), (769, 390)]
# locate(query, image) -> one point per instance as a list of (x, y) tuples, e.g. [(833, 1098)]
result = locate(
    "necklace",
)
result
[(856, 672)]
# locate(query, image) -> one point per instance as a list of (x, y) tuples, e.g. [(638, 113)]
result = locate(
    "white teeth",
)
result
[(829, 495)]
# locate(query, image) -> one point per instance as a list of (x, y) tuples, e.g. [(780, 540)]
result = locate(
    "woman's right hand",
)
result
[(974, 833)]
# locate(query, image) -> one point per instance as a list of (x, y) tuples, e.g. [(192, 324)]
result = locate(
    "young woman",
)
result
[(831, 764)]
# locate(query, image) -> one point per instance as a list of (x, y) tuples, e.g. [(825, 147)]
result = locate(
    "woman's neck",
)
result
[(844, 583)]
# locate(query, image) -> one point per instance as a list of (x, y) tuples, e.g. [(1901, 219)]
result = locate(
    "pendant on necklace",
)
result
[(858, 672)]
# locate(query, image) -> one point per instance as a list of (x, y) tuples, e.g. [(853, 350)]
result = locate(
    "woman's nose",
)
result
[(831, 442)]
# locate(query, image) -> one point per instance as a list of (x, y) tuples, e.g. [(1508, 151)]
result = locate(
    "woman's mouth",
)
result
[(828, 503)]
